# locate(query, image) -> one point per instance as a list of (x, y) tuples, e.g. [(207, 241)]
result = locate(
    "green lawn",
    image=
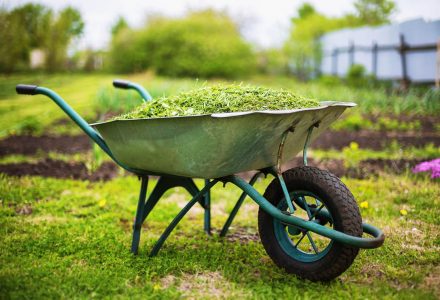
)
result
[(71, 239)]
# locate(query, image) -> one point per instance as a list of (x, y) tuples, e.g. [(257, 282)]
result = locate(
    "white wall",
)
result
[(421, 66)]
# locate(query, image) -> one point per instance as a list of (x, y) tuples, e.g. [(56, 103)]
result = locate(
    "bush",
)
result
[(203, 44), (356, 75)]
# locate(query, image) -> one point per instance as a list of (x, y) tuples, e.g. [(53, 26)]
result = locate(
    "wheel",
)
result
[(320, 197)]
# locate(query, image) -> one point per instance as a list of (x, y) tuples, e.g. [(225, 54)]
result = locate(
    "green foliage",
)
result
[(220, 99), (329, 80), (374, 12), (352, 122), (431, 99), (355, 121), (14, 46), (356, 75), (306, 10), (202, 44), (120, 24), (389, 124), (302, 47), (128, 53), (34, 26), (111, 100), (30, 125), (67, 26)]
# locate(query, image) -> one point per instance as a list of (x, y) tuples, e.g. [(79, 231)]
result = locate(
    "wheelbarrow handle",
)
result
[(127, 85), (26, 89)]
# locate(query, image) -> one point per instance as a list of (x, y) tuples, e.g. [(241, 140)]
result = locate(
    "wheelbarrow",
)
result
[(308, 221)]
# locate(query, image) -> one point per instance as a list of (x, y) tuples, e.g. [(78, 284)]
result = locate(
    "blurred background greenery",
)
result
[(204, 44)]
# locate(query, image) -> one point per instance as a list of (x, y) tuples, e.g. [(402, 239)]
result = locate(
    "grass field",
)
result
[(65, 238), (75, 244), (89, 94)]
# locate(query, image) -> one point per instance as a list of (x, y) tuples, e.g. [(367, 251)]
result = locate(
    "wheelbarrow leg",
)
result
[(237, 206), (207, 215), (145, 207), (179, 217), (139, 216)]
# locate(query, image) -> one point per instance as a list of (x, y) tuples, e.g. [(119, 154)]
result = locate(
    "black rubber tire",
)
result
[(345, 213)]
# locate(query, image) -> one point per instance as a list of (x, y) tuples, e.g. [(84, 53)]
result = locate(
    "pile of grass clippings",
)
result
[(220, 99)]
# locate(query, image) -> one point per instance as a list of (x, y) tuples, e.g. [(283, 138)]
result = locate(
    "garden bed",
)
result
[(68, 144), (61, 169)]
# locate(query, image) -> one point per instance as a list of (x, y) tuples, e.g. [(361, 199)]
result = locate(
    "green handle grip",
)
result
[(127, 85)]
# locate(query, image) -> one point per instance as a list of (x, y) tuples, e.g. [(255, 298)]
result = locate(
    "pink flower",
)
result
[(433, 166)]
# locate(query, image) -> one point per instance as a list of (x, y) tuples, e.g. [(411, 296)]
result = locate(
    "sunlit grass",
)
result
[(75, 243)]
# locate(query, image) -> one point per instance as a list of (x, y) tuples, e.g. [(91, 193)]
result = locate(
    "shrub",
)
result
[(356, 75), (202, 44)]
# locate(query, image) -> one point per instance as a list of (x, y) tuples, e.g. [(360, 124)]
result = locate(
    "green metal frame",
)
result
[(203, 196)]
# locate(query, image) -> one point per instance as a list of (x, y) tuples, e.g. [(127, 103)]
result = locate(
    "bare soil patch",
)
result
[(61, 169), (29, 145), (375, 140)]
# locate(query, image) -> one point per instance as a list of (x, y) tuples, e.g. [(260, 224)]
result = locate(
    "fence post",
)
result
[(374, 59), (351, 54), (402, 51), (335, 62), (437, 78)]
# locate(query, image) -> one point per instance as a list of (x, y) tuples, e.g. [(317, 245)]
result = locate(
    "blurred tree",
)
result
[(35, 21), (67, 26), (306, 10), (202, 44), (120, 24), (33, 26), (12, 47), (21, 30), (374, 12), (301, 47)]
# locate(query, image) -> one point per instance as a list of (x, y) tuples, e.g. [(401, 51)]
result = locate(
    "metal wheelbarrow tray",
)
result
[(300, 204)]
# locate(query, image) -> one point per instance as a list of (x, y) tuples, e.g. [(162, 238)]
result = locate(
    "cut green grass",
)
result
[(220, 99), (75, 242)]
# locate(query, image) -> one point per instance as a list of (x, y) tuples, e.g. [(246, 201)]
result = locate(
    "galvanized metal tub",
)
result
[(216, 145)]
